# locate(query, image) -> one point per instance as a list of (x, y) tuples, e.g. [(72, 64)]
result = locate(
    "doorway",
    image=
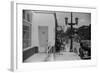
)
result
[(43, 38)]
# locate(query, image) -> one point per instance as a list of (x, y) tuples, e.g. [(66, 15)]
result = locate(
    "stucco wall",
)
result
[(41, 19)]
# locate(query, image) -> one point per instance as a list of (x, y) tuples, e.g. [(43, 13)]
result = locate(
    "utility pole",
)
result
[(56, 24)]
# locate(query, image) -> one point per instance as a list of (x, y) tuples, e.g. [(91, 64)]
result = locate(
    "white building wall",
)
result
[(41, 19)]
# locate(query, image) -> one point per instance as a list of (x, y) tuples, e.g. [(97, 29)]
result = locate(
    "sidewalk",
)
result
[(39, 57), (67, 56), (43, 57)]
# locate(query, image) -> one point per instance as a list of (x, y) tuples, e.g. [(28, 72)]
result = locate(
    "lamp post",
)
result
[(71, 25)]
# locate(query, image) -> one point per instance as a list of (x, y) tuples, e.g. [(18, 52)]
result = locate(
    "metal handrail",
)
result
[(49, 49)]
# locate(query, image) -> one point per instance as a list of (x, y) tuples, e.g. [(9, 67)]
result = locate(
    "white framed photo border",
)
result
[(17, 42)]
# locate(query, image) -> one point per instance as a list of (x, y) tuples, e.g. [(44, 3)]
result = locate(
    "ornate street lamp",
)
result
[(71, 25)]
